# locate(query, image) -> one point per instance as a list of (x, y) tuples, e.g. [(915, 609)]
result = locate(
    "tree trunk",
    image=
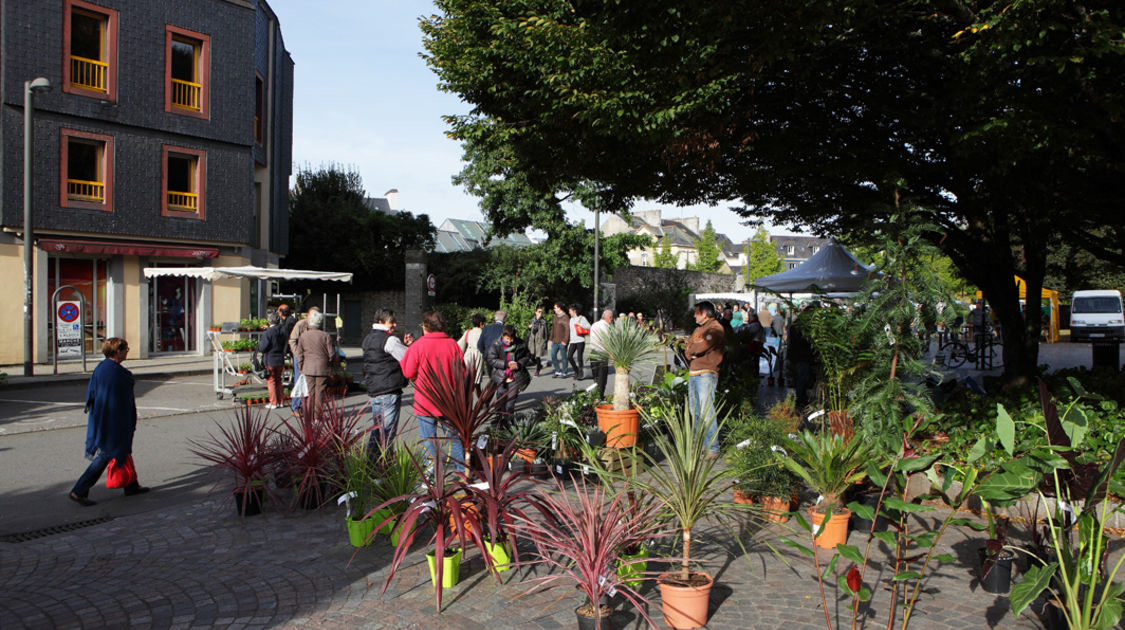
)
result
[(685, 564), (620, 389)]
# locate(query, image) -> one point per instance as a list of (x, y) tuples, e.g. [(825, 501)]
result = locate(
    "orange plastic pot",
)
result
[(620, 427), (775, 509), (684, 606), (743, 497), (835, 532)]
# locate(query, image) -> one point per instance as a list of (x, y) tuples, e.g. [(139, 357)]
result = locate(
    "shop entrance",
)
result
[(89, 277), (172, 321)]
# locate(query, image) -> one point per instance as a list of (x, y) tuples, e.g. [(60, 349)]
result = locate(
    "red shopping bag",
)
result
[(120, 474)]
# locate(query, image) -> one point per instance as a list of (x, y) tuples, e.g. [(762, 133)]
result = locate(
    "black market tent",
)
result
[(832, 270), (250, 272)]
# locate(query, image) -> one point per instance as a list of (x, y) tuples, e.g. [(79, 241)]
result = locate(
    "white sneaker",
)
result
[(272, 406)]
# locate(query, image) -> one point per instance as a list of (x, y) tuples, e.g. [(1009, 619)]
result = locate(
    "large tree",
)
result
[(331, 229), (762, 258), (708, 252), (999, 123)]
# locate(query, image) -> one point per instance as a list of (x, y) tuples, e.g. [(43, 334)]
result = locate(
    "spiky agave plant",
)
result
[(624, 344)]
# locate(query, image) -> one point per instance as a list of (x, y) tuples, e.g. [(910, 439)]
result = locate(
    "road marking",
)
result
[(42, 402)]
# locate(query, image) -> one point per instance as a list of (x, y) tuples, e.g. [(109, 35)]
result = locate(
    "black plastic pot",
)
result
[(859, 524), (589, 623), (595, 437), (561, 468), (540, 469), (252, 502), (997, 579)]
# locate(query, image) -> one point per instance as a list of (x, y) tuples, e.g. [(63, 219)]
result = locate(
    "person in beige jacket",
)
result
[(317, 357), (298, 329)]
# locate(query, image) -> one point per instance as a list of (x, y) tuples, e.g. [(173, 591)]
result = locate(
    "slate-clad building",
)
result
[(166, 140)]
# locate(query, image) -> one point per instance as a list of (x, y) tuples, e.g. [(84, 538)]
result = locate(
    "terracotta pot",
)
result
[(620, 427), (743, 497), (776, 509), (684, 606), (836, 532)]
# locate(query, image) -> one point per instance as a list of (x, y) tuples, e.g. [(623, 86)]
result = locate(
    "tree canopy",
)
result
[(664, 258), (331, 229), (998, 123), (708, 253)]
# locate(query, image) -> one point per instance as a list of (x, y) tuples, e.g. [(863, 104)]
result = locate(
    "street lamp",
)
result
[(30, 89)]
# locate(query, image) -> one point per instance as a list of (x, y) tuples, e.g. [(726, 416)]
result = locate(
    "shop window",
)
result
[(187, 72), (86, 168), (90, 45), (184, 182)]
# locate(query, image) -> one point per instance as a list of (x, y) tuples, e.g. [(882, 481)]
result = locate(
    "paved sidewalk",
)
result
[(200, 566)]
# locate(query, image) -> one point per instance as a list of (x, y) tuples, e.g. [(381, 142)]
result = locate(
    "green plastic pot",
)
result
[(360, 532), (381, 515), (450, 569), (631, 572), (501, 555)]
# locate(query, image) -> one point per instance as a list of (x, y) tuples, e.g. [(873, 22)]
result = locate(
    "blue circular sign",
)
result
[(68, 312)]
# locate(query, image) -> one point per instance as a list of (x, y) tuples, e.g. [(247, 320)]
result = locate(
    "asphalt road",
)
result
[(43, 432)]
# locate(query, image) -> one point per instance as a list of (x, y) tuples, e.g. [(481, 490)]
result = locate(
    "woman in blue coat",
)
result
[(112, 410)]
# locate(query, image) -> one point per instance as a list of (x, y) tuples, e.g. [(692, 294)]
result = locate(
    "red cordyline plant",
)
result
[(241, 452), (440, 504), (581, 541), (345, 425), (463, 412), (497, 502), (307, 456)]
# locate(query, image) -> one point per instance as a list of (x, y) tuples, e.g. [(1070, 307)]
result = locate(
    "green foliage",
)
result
[(827, 462), (750, 446), (762, 258), (829, 329), (331, 229), (709, 255), (664, 258), (624, 344), (521, 310), (459, 318)]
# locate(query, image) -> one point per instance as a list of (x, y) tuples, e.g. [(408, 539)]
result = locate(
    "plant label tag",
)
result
[(479, 486), (554, 440), (559, 468), (427, 506), (777, 449), (585, 469), (816, 414), (345, 497), (603, 582), (482, 441), (568, 422), (744, 443), (304, 451)]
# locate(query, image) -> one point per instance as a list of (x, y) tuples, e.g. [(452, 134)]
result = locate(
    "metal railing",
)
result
[(83, 190), (89, 74), (183, 201), (187, 95)]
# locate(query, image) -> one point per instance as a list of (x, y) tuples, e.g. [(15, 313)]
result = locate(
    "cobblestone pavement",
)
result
[(200, 566)]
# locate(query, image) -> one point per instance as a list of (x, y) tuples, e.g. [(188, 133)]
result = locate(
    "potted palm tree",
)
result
[(624, 344), (830, 464), (683, 477)]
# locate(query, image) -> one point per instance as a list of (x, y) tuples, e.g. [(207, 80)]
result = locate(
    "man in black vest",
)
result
[(382, 352)]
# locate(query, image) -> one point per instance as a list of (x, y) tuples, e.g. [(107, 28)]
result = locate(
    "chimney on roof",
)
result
[(392, 199), (691, 223)]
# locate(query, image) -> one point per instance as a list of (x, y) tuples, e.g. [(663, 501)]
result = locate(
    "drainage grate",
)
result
[(51, 531)]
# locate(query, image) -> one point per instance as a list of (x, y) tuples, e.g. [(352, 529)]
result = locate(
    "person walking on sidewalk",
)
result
[(579, 327), (272, 347), (318, 359), (599, 368), (705, 352), (560, 336), (509, 359), (427, 361), (537, 338), (474, 359), (490, 333), (295, 333), (382, 352), (112, 408)]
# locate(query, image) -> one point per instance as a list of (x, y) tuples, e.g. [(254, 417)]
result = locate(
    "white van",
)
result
[(1096, 315)]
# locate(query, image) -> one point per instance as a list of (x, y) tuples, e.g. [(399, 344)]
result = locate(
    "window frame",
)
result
[(200, 183), (110, 43), (259, 109), (203, 68), (65, 201)]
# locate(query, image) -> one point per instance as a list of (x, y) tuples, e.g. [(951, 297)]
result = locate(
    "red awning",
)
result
[(124, 248)]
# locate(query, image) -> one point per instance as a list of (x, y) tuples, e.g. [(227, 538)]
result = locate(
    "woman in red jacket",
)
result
[(431, 355)]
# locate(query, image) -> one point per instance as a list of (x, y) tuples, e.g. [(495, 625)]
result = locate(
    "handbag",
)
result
[(580, 331), (120, 474), (300, 388)]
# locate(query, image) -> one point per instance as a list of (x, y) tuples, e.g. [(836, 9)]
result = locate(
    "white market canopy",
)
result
[(832, 270), (253, 273)]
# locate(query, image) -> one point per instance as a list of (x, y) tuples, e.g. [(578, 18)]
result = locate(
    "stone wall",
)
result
[(634, 280)]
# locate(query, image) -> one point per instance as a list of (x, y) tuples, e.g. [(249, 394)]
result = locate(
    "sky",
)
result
[(363, 98)]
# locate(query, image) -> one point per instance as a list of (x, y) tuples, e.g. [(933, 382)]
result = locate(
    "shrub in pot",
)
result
[(578, 539), (830, 464), (624, 344), (752, 445), (241, 456)]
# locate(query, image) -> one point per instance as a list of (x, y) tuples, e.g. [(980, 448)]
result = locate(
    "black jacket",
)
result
[(383, 374), (498, 363), (488, 335), (273, 345)]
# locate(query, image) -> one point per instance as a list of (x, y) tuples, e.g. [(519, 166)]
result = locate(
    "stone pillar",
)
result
[(414, 293)]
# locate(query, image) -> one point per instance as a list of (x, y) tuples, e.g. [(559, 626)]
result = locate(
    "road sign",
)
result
[(431, 285), (68, 330)]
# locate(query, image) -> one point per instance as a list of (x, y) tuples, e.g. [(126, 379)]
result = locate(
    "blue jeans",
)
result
[(384, 420), (427, 428), (701, 398), (93, 473), (558, 357)]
